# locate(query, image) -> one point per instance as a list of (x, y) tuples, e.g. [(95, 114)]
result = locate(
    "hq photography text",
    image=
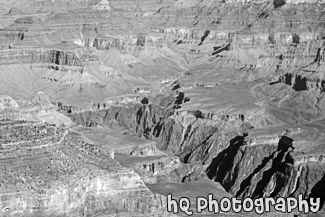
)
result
[(259, 206)]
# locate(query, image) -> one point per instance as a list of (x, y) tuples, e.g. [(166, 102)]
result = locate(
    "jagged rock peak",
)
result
[(41, 99), (7, 102), (103, 5)]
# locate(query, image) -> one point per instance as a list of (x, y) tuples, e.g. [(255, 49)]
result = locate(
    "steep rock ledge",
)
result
[(39, 56), (265, 166), (266, 170)]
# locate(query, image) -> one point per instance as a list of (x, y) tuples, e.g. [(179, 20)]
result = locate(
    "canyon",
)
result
[(107, 106)]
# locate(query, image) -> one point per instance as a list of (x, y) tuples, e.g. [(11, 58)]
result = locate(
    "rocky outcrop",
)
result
[(41, 99), (153, 169), (266, 170), (70, 176), (7, 102), (103, 5), (267, 165), (306, 81), (138, 118), (94, 194), (126, 43), (39, 56), (83, 53)]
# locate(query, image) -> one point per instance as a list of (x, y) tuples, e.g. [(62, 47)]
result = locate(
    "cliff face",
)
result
[(266, 171), (93, 194), (45, 56), (137, 118), (255, 166), (51, 171), (131, 41), (240, 75)]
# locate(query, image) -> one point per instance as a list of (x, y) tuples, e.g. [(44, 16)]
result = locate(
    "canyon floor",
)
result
[(106, 107)]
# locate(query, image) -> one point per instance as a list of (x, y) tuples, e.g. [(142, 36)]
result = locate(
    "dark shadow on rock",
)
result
[(318, 191), (244, 186), (158, 128), (177, 86), (264, 15), (187, 157), (206, 34), (278, 167), (223, 163), (278, 3), (300, 83), (217, 50), (274, 82), (179, 99), (145, 101)]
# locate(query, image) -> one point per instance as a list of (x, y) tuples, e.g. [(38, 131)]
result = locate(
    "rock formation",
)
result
[(68, 177)]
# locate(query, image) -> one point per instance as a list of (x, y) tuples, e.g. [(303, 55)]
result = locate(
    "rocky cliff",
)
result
[(162, 92), (48, 171), (246, 162)]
